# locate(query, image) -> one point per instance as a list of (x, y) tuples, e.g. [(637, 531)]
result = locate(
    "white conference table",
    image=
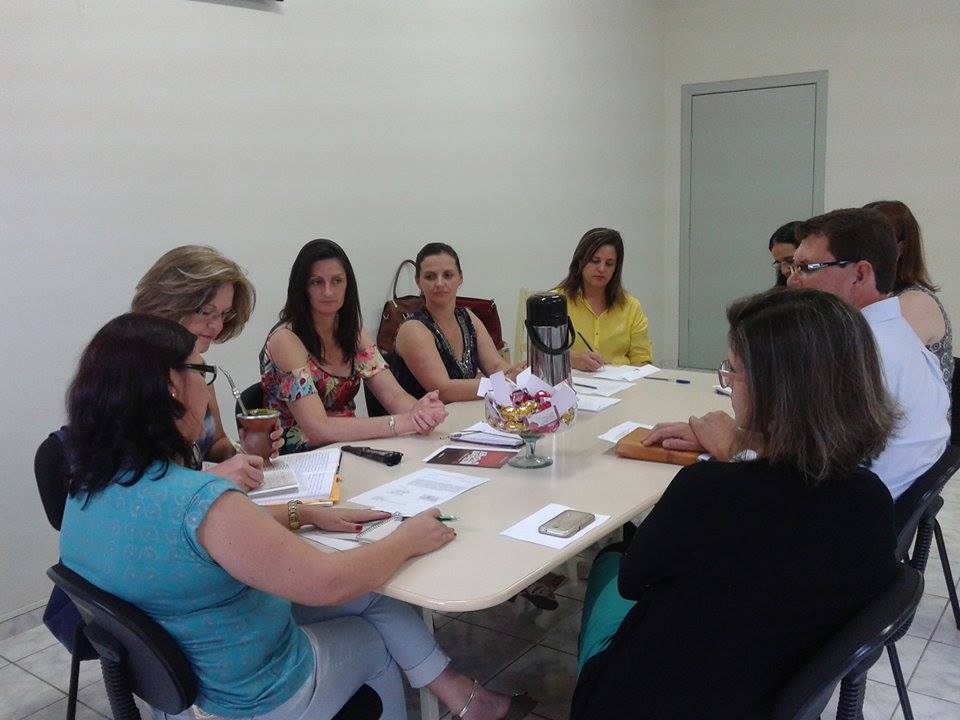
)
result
[(481, 568)]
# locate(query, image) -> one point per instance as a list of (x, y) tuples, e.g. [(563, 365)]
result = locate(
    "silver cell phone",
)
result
[(566, 524)]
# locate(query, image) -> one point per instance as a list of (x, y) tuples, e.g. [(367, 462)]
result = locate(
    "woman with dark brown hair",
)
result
[(610, 324), (745, 567), (918, 300)]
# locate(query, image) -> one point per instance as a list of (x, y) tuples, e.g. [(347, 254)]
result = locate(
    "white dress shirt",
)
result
[(914, 380)]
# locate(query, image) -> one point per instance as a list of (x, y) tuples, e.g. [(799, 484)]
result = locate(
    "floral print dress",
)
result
[(281, 388)]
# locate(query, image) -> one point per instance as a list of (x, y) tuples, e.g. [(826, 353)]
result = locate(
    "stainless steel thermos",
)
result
[(550, 335)]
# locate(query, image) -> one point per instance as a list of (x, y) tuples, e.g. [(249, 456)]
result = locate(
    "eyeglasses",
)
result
[(724, 372), (801, 269), (209, 372), (206, 314), (784, 264)]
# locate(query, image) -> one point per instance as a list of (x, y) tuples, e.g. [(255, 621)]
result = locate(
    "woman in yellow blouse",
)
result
[(611, 327)]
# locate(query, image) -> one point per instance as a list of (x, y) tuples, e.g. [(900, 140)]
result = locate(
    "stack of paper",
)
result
[(595, 403), (483, 433)]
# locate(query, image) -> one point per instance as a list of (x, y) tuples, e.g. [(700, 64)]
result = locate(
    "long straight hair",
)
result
[(296, 311), (122, 413), (592, 241), (911, 266), (817, 399)]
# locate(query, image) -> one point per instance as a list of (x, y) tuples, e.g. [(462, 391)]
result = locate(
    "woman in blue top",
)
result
[(221, 574)]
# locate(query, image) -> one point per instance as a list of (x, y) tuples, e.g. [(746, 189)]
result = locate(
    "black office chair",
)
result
[(138, 657), (52, 472), (916, 517), (374, 407), (252, 398), (847, 656)]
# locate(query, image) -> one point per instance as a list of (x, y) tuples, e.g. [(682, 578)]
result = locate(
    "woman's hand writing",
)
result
[(423, 533), (586, 361)]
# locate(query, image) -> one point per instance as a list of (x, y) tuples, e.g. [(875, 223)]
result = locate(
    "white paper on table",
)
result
[(723, 391), (618, 431), (595, 403), (323, 539), (418, 491), (593, 386), (483, 433), (533, 385), (314, 471), (628, 373), (526, 529)]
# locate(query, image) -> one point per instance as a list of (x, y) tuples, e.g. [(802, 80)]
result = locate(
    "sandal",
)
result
[(520, 706)]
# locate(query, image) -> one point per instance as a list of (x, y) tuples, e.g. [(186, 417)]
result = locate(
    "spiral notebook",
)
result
[(377, 530)]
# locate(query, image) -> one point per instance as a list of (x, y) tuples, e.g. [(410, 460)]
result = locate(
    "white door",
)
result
[(753, 160)]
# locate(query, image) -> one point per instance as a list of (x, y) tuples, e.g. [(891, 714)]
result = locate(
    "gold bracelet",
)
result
[(293, 514)]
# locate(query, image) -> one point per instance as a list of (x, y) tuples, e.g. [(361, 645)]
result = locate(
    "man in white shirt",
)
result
[(853, 254)]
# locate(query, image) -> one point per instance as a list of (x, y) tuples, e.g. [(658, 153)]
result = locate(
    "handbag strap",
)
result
[(396, 277)]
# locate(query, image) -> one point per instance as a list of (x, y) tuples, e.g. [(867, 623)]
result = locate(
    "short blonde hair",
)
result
[(185, 279)]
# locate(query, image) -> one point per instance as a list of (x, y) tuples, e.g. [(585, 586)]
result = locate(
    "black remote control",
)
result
[(387, 457)]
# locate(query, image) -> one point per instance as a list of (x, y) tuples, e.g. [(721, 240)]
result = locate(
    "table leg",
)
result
[(429, 705)]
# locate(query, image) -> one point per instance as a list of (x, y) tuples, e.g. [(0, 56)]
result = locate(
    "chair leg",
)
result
[(850, 703), (118, 690), (898, 679), (74, 673), (947, 573)]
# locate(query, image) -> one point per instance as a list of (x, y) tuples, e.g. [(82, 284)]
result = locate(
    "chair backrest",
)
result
[(52, 470), (851, 650), (252, 398), (911, 506), (955, 404), (157, 669)]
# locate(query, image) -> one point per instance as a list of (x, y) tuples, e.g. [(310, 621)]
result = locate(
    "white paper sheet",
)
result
[(314, 471), (372, 532), (589, 385), (418, 491), (618, 431), (628, 373), (595, 403), (484, 387), (526, 529), (482, 433)]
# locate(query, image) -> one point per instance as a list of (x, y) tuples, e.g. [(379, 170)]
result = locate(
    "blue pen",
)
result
[(680, 381)]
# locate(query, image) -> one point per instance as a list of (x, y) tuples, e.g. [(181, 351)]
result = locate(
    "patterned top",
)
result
[(139, 542), (281, 388), (943, 348), (466, 368)]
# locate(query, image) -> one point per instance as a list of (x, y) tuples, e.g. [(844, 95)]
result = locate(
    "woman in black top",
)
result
[(744, 568), (444, 347)]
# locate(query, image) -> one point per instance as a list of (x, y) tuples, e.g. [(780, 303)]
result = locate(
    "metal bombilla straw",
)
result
[(234, 390)]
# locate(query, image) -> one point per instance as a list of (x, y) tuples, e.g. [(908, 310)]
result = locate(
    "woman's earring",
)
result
[(173, 395)]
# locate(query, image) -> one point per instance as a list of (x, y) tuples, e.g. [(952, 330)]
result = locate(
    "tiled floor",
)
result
[(517, 647)]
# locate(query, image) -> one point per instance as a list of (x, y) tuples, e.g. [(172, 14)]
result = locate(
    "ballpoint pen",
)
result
[(676, 380), (580, 384), (580, 335), (441, 518)]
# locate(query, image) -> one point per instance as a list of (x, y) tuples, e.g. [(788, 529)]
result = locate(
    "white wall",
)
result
[(892, 108), (130, 126)]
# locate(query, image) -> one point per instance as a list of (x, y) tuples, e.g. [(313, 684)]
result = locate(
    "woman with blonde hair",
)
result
[(918, 295), (611, 327), (210, 295)]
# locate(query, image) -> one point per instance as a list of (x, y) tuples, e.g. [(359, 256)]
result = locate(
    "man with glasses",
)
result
[(853, 254)]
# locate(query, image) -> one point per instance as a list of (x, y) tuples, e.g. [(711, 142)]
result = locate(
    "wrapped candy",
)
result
[(529, 409)]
